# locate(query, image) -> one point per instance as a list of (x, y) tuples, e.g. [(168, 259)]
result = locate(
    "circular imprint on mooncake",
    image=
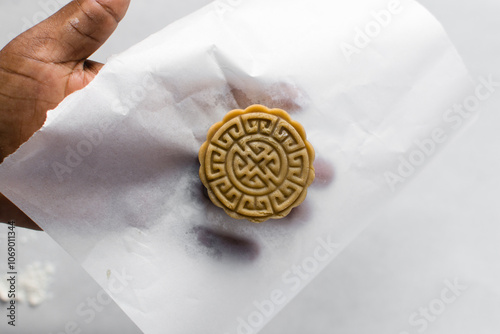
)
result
[(257, 164)]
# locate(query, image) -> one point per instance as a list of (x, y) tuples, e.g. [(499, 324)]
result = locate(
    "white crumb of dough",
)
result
[(32, 284)]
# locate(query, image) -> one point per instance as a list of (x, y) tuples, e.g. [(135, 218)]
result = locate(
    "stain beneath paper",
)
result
[(324, 173), (280, 95), (225, 246)]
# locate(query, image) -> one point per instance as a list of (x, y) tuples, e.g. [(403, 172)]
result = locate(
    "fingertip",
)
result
[(77, 30)]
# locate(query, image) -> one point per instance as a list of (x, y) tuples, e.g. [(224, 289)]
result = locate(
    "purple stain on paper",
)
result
[(222, 245)]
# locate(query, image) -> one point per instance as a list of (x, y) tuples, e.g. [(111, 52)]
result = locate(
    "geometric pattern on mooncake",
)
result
[(257, 164)]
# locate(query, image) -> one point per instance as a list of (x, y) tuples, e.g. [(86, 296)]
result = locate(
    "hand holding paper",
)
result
[(39, 68)]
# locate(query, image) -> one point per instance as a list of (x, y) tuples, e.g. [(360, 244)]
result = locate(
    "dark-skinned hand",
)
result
[(42, 66)]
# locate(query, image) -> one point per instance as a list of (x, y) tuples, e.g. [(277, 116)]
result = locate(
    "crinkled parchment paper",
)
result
[(113, 174)]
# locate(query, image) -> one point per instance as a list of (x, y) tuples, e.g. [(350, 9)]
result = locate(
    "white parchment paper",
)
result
[(113, 174)]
